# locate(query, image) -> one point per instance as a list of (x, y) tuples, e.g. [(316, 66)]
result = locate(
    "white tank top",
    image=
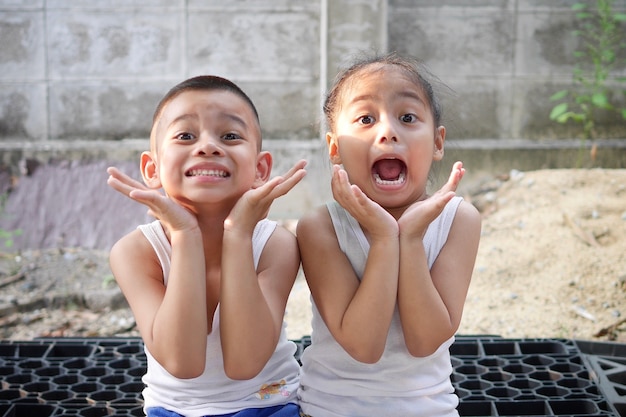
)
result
[(333, 384), (213, 393)]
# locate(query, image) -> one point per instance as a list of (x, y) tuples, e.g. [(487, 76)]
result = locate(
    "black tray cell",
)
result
[(553, 392), (498, 376), (33, 364), (105, 395), (17, 379), (37, 387), (567, 368), (68, 379), (579, 407), (472, 370), (574, 383), (539, 360), (7, 370), (113, 380), (22, 350), (124, 363), (31, 410), (492, 361), (94, 371), (518, 368), (502, 392), (49, 371), (129, 350), (545, 376), (94, 411), (522, 408), (475, 409), (545, 347), (56, 395), (132, 387), (9, 394), (524, 384), (61, 350), (137, 371), (475, 385), (462, 349), (500, 348), (77, 363), (86, 387)]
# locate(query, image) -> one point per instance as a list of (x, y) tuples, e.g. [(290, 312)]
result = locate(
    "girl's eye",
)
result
[(366, 120), (184, 136), (408, 118), (231, 136)]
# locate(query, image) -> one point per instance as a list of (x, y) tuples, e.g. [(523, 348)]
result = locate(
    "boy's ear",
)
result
[(149, 170), (333, 148), (264, 163), (440, 138)]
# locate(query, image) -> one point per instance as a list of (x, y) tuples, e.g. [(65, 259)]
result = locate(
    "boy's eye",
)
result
[(184, 136), (408, 118), (366, 120), (231, 136)]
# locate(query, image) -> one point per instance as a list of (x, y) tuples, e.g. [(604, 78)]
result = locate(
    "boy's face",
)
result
[(385, 137), (206, 148)]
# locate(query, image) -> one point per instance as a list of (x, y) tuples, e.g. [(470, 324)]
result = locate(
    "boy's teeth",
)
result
[(207, 173), (397, 181)]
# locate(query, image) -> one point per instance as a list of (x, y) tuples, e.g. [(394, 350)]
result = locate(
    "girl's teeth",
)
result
[(398, 181)]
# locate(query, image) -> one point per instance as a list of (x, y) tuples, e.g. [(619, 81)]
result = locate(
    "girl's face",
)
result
[(385, 137), (207, 149)]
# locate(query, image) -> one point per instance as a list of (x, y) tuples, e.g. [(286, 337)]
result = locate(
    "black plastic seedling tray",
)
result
[(492, 377)]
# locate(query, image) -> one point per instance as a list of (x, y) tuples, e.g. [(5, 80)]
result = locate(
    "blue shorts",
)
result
[(286, 410)]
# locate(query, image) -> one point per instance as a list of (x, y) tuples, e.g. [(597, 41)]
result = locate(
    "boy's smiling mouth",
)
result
[(207, 173), (389, 171)]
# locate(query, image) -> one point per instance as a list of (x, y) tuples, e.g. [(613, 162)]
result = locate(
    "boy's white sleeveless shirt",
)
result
[(213, 393)]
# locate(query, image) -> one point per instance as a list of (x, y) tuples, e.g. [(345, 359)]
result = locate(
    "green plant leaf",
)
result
[(558, 111), (579, 6), (624, 113), (619, 17), (600, 100), (559, 95)]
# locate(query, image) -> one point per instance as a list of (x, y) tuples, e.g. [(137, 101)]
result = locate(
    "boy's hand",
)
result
[(375, 219), (415, 220), (255, 204), (172, 215)]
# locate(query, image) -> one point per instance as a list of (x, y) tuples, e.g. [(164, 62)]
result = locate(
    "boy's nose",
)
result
[(209, 146)]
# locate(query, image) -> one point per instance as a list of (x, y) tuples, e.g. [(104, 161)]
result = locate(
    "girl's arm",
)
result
[(173, 321), (431, 302), (253, 301), (358, 314)]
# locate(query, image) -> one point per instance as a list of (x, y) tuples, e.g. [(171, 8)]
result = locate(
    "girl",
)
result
[(388, 265)]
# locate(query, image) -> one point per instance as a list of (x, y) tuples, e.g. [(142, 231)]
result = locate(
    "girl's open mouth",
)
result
[(389, 172)]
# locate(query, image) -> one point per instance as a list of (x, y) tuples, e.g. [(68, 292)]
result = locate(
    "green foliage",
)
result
[(7, 236), (601, 37)]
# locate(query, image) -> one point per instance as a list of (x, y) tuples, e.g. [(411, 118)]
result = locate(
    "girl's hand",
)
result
[(370, 215), (415, 220), (172, 215), (255, 204)]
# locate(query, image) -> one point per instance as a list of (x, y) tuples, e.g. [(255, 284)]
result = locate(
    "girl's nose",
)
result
[(387, 131)]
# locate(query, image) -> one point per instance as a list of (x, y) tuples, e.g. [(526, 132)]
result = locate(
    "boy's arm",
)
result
[(431, 302), (253, 300), (172, 322)]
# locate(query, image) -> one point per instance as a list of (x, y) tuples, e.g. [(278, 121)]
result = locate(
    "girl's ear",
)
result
[(263, 168), (440, 138), (149, 170), (333, 148)]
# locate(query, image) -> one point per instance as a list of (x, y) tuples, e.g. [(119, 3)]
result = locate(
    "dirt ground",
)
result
[(551, 264)]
